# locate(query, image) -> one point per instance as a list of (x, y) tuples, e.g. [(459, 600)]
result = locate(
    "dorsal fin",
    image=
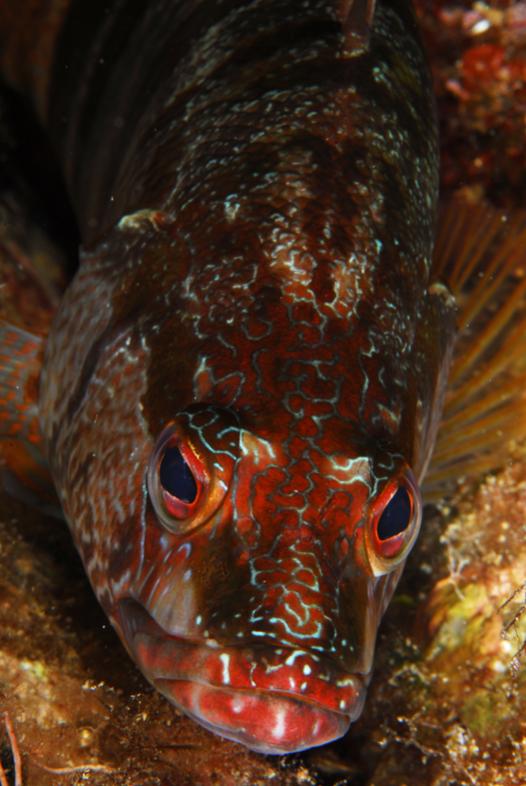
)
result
[(356, 17), (481, 256)]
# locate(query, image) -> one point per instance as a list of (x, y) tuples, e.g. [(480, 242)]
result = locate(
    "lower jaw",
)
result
[(258, 711), (266, 722)]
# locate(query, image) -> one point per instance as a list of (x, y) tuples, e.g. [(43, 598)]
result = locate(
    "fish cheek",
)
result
[(218, 579), (100, 454), (362, 601), (122, 562)]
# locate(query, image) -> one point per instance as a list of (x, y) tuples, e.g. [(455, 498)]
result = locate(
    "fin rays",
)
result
[(481, 255)]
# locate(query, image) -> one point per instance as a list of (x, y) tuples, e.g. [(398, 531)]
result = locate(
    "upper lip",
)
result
[(269, 668)]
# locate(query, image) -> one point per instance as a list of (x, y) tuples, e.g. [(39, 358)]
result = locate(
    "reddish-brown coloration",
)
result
[(291, 333)]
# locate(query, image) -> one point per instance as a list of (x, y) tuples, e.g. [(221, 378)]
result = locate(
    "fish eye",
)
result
[(176, 477), (191, 466), (394, 523), (176, 480), (396, 515), (177, 483)]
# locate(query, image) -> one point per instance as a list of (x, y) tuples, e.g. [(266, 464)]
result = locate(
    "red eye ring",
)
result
[(394, 523), (203, 442)]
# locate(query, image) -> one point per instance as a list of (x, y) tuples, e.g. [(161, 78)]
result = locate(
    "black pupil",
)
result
[(396, 516), (176, 477)]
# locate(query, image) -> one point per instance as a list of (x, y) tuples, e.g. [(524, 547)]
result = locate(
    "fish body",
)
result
[(241, 387)]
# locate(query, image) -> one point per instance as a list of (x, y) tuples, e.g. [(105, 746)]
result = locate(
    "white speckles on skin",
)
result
[(187, 575), (314, 631), (294, 266), (352, 279), (349, 470), (279, 729), (212, 643), (251, 444), (225, 661), (185, 550), (202, 365), (165, 541), (307, 670), (117, 587), (292, 657), (348, 681), (389, 418), (315, 729), (232, 206)]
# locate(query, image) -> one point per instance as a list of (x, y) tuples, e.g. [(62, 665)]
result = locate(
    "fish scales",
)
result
[(242, 384)]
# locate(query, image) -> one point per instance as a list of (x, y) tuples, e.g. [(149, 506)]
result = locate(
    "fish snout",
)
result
[(273, 699)]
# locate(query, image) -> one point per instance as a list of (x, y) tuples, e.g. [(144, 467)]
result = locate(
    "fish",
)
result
[(238, 395)]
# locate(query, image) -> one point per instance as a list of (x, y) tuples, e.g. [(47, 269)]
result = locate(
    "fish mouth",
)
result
[(272, 699)]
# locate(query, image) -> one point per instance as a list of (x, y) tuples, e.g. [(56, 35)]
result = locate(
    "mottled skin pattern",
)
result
[(256, 189)]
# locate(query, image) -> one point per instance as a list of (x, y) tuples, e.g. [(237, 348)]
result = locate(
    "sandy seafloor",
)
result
[(447, 705)]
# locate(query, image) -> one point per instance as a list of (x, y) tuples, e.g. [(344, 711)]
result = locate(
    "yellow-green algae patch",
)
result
[(488, 712), (463, 621)]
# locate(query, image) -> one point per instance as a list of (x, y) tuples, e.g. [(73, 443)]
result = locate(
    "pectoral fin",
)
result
[(481, 256), (23, 466)]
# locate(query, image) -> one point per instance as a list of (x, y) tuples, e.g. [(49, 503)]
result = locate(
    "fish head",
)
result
[(265, 572), (237, 470)]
